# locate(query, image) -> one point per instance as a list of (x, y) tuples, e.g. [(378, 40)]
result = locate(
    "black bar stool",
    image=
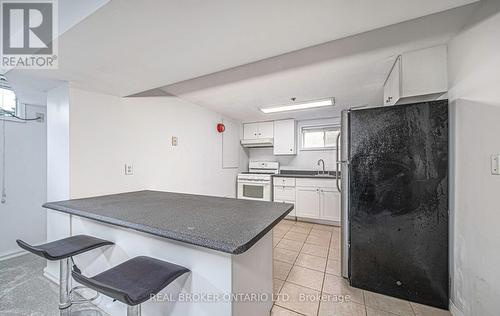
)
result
[(134, 281), (62, 250)]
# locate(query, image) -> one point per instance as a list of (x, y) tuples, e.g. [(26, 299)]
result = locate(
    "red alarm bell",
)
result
[(221, 128)]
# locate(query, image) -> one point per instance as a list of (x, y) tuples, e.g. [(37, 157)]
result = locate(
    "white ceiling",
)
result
[(70, 12), (353, 70), (130, 46)]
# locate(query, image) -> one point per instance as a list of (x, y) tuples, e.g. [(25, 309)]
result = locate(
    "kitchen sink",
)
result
[(326, 175)]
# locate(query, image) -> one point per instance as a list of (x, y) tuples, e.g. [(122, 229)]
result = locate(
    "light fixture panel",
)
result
[(299, 106)]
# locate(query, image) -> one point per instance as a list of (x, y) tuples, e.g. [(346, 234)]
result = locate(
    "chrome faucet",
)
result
[(321, 161)]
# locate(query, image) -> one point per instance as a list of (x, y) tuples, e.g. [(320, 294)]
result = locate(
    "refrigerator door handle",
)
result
[(337, 148), (338, 162), (344, 191), (337, 177)]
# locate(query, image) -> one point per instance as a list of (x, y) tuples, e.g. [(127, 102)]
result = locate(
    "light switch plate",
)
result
[(129, 170), (175, 140), (495, 164)]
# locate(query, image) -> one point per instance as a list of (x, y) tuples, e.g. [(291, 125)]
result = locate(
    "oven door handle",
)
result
[(254, 182)]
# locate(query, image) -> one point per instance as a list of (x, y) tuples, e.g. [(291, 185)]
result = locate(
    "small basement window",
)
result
[(319, 137), (8, 100)]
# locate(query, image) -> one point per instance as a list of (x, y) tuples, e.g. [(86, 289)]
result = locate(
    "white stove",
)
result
[(256, 183)]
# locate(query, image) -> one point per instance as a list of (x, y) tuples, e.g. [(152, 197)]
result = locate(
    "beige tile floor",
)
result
[(307, 278)]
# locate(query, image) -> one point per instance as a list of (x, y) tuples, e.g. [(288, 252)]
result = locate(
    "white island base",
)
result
[(219, 283)]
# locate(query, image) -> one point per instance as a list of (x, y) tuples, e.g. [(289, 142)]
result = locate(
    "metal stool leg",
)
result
[(134, 310), (64, 287)]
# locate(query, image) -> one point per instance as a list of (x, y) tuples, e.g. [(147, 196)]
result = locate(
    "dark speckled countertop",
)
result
[(306, 174), (224, 224)]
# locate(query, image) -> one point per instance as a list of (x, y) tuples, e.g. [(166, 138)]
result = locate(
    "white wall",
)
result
[(58, 143), (107, 132), (91, 136), (474, 76), (57, 165), (305, 159), (22, 216)]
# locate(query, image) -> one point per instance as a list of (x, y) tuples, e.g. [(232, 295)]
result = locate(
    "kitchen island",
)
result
[(226, 243)]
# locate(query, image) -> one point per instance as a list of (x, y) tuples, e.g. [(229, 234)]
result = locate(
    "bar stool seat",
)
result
[(65, 248), (133, 281), (63, 251)]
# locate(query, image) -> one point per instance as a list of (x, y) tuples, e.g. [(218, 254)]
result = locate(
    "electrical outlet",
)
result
[(495, 165), (129, 170), (175, 140), (41, 117)]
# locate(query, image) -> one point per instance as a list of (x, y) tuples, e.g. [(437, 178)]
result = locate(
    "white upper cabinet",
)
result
[(416, 76), (392, 87), (285, 136), (250, 130), (424, 71), (258, 130), (266, 130)]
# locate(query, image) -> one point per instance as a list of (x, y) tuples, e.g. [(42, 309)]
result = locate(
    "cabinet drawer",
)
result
[(287, 182), (321, 183), (284, 193)]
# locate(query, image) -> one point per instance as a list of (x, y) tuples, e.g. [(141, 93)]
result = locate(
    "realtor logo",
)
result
[(29, 34)]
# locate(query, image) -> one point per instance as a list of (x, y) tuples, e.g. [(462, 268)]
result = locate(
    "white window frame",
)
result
[(20, 112), (17, 110), (324, 128)]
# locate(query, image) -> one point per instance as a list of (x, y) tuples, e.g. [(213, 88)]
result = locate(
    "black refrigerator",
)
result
[(394, 187)]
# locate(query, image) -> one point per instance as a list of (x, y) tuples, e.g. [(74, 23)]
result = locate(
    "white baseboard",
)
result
[(454, 310), (17, 253), (50, 276), (13, 254), (317, 221)]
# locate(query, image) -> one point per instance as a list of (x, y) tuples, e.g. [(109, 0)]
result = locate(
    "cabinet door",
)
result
[(307, 202), (250, 130), (265, 130), (424, 72), (392, 87), (284, 137), (329, 204), (284, 193)]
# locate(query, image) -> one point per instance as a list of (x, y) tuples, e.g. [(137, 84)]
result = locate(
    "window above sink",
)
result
[(319, 137)]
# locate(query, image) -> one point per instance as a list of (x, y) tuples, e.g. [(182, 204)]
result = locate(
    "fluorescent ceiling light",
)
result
[(300, 106)]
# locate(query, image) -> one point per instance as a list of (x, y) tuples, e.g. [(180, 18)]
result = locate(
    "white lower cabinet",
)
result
[(329, 208), (315, 199), (284, 192), (307, 199)]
